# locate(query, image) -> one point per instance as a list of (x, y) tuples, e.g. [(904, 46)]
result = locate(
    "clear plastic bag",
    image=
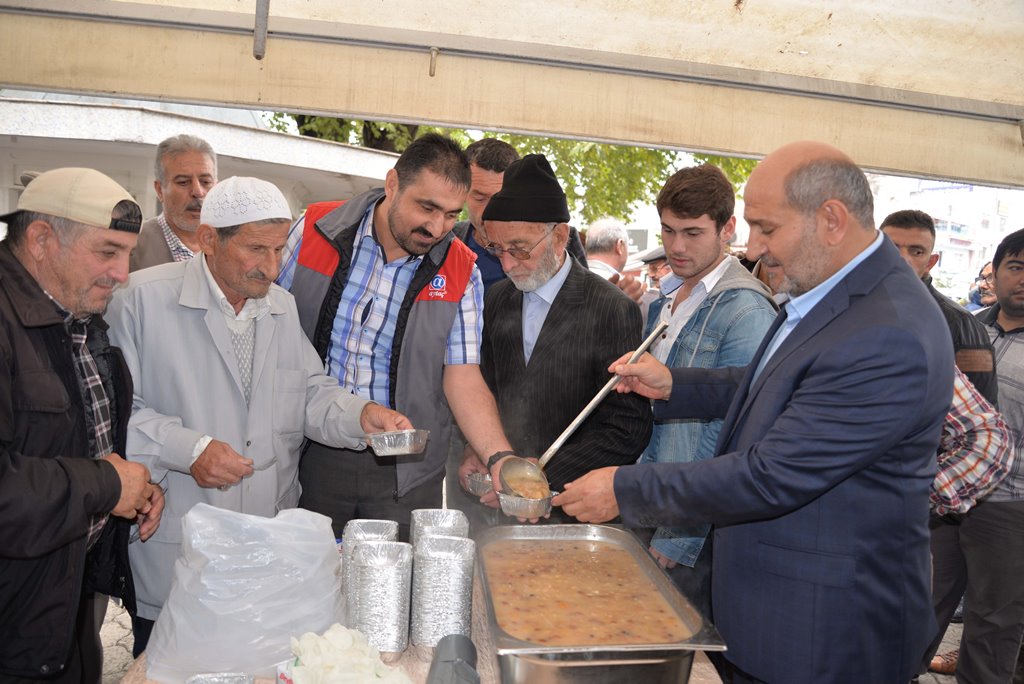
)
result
[(243, 585)]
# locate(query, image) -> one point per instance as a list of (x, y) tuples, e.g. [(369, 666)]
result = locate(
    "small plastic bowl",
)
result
[(399, 442), (518, 507), (479, 483)]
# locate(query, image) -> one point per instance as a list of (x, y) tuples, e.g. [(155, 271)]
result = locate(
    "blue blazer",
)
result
[(819, 491)]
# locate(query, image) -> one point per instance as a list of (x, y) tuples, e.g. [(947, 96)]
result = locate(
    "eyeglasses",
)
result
[(990, 278), (519, 253)]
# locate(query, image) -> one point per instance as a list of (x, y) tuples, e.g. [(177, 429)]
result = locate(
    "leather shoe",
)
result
[(945, 663)]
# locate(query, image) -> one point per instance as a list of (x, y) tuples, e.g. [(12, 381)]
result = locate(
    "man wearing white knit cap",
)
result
[(226, 383)]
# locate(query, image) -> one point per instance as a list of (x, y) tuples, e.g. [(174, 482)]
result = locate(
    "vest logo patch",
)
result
[(449, 283)]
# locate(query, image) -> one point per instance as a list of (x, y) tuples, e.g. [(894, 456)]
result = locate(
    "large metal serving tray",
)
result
[(525, 662)]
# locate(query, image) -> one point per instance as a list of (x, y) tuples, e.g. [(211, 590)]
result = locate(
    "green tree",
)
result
[(599, 179)]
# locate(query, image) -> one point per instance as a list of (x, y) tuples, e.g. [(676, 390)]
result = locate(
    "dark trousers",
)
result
[(992, 543), (949, 577), (85, 662), (141, 631), (979, 554), (351, 485)]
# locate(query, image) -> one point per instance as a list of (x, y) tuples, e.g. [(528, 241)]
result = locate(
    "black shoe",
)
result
[(958, 615)]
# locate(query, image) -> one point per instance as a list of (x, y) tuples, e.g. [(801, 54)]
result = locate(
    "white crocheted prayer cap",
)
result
[(238, 200)]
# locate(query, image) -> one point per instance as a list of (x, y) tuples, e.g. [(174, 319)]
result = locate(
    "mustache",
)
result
[(257, 275), (108, 282), (422, 231), (194, 205)]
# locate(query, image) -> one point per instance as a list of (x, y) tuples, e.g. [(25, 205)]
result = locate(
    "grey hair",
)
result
[(67, 231), (227, 232), (604, 233), (814, 183), (179, 144)]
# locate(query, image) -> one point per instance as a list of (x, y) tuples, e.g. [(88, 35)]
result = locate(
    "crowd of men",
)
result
[(822, 454)]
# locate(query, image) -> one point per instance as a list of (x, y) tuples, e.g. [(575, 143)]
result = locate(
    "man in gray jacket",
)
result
[(226, 384)]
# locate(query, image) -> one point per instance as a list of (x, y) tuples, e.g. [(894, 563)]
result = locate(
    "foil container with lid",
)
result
[(442, 589), (356, 532), (383, 576), (447, 522)]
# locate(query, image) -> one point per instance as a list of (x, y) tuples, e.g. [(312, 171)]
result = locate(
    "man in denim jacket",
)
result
[(717, 314)]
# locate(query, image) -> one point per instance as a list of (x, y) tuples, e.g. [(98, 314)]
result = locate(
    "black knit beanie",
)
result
[(529, 192)]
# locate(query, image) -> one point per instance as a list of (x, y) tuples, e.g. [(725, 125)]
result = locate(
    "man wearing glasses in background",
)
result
[(550, 330)]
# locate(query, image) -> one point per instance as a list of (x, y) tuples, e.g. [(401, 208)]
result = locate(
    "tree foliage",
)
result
[(599, 179)]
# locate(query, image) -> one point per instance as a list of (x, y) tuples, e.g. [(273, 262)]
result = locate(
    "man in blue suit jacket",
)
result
[(819, 492)]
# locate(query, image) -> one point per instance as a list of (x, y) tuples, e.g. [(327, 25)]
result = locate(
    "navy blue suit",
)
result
[(819, 492)]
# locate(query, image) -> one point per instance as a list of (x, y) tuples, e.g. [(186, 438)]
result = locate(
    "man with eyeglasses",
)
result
[(550, 331)]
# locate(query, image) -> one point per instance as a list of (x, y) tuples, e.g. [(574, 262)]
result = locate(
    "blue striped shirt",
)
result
[(359, 353)]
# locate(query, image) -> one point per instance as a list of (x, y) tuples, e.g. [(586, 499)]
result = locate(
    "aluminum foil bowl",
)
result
[(433, 522), (399, 442), (518, 507), (479, 483)]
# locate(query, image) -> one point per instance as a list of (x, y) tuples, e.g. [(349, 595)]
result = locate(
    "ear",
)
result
[(560, 238), (159, 191), (728, 231), (833, 219), (932, 260), (40, 239), (208, 240), (391, 184)]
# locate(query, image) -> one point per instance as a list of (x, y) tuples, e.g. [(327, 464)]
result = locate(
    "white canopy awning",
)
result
[(918, 87)]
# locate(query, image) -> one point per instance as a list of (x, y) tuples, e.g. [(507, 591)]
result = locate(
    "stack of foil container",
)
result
[(355, 533), (442, 589), (382, 577)]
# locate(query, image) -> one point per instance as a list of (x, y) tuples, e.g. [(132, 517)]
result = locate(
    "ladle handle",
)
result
[(608, 387)]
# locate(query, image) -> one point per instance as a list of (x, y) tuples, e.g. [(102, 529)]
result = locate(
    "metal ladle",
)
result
[(524, 478)]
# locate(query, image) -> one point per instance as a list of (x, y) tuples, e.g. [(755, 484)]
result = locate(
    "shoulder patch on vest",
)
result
[(316, 253), (451, 280)]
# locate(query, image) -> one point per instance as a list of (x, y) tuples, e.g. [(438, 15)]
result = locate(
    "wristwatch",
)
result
[(497, 456)]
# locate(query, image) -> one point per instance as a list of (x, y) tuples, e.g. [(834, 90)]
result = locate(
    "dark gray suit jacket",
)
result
[(591, 323)]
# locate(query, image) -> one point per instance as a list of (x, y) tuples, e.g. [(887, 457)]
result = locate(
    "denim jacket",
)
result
[(725, 331)]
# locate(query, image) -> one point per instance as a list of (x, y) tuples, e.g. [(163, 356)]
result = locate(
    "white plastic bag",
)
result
[(243, 586)]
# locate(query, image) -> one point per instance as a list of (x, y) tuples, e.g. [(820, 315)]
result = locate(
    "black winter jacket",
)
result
[(49, 486)]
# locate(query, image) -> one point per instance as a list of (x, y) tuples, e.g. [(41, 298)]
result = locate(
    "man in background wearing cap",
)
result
[(550, 331), (186, 169), (226, 383), (392, 300), (66, 400), (717, 314)]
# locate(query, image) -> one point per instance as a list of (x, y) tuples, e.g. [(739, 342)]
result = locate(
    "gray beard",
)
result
[(547, 267)]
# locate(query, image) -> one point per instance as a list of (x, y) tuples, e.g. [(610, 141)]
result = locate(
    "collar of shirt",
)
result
[(991, 317), (798, 307), (601, 268), (368, 230), (179, 252), (707, 283), (549, 290), (253, 309)]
